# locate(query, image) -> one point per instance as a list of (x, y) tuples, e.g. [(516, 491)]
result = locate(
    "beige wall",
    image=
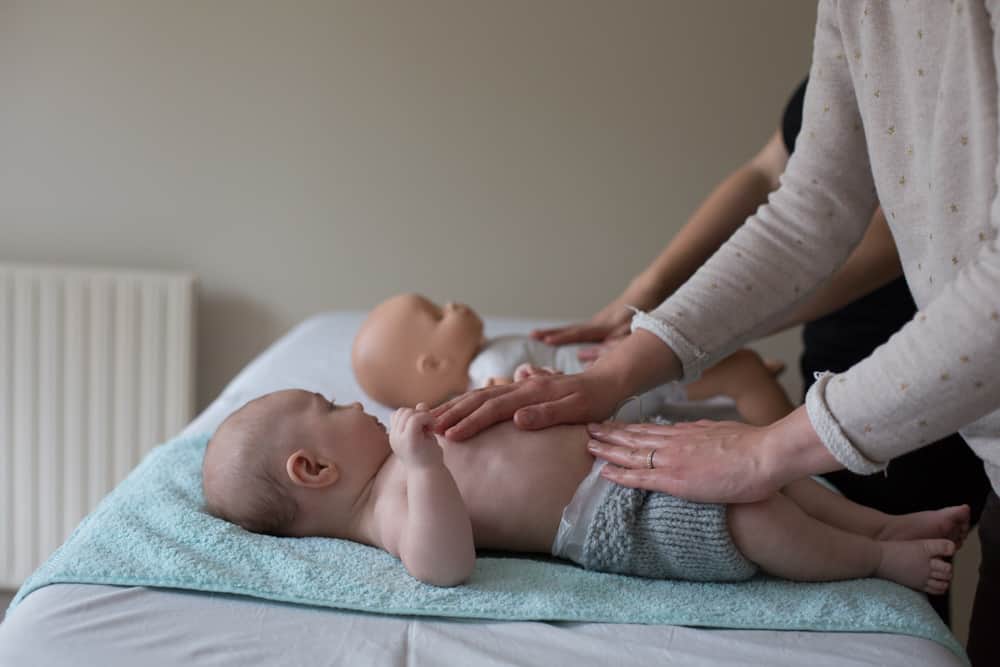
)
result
[(524, 156)]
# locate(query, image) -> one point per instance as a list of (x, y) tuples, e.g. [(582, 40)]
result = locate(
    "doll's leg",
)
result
[(823, 504), (745, 378), (783, 540)]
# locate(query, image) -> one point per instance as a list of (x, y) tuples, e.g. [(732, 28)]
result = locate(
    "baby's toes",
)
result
[(961, 527), (939, 548), (936, 587), (941, 569), (939, 578)]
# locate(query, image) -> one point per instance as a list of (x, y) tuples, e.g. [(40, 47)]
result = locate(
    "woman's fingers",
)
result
[(580, 333), (565, 410), (629, 439), (538, 402), (621, 455), (452, 411), (487, 407), (540, 334), (625, 434)]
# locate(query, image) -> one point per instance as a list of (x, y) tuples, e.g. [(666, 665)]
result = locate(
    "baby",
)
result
[(292, 463), (409, 350)]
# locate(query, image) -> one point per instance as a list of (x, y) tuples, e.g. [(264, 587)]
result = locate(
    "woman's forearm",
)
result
[(721, 214)]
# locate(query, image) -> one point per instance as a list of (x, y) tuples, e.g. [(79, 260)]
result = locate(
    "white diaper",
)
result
[(579, 514)]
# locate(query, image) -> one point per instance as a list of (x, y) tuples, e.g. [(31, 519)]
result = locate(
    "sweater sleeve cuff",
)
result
[(829, 431), (693, 359)]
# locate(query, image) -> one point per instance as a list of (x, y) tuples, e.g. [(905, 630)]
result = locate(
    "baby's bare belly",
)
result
[(516, 483)]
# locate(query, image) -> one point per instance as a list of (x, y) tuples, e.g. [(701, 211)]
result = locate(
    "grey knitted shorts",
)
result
[(656, 535)]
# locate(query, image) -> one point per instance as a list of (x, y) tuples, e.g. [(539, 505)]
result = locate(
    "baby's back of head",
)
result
[(241, 478)]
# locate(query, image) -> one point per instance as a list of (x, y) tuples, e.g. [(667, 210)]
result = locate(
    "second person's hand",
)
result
[(609, 322)]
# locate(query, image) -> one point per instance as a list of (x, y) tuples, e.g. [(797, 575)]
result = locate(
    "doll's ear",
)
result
[(429, 364)]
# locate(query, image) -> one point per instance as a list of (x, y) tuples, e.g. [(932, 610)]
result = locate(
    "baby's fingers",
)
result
[(422, 421), (401, 418)]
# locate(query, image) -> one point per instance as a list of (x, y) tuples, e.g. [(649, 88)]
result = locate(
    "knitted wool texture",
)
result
[(661, 536)]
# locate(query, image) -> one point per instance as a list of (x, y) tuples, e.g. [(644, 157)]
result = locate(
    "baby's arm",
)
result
[(435, 538)]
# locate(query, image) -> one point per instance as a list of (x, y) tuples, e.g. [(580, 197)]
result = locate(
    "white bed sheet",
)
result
[(118, 626)]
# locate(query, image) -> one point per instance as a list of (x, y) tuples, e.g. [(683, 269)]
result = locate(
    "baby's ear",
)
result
[(304, 469), (429, 364)]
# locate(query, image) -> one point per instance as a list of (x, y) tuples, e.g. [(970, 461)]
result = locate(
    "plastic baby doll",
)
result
[(409, 350), (291, 463)]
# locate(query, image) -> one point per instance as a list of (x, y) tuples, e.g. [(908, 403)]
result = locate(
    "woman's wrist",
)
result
[(642, 361), (791, 449), (644, 292)]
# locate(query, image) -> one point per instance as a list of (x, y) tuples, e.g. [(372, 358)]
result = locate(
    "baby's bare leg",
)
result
[(834, 509), (783, 540), (745, 378)]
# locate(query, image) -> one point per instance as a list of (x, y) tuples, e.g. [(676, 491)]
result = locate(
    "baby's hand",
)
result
[(525, 371), (411, 437)]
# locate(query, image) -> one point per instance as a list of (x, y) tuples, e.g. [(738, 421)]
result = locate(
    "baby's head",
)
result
[(410, 350), (292, 463)]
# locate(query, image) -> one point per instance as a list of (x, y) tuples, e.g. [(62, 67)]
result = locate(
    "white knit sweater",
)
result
[(901, 109)]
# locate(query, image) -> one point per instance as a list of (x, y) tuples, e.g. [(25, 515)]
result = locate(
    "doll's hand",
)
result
[(525, 371), (412, 439)]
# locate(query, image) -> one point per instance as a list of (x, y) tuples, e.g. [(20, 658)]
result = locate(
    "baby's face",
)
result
[(354, 438)]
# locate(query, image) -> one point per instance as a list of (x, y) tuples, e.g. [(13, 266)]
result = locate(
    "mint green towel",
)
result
[(150, 531)]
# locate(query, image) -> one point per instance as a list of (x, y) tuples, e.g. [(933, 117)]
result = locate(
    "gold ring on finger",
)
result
[(649, 459)]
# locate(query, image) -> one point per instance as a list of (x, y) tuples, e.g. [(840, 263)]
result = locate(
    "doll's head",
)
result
[(291, 463), (409, 350)]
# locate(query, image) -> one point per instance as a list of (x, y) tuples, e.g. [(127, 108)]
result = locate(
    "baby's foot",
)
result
[(918, 564), (951, 523)]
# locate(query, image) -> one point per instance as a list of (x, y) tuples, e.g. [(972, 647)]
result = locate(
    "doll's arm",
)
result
[(435, 540)]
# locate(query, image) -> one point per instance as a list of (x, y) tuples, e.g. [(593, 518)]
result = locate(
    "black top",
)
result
[(841, 339)]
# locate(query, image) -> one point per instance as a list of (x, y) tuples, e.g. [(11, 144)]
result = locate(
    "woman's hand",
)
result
[(638, 364), (598, 329), (711, 462), (534, 403)]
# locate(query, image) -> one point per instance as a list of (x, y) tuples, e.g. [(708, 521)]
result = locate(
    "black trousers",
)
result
[(984, 638), (941, 474)]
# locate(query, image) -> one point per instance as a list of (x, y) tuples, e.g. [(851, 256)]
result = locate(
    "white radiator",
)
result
[(96, 367)]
